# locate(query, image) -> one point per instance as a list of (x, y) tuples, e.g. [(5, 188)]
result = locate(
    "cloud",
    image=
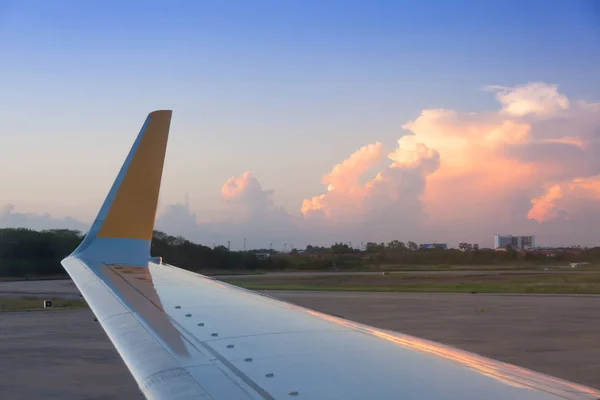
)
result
[(530, 166), (402, 180), (501, 170), (247, 211), (344, 190), (9, 218), (536, 98), (464, 176), (178, 219), (253, 209), (576, 200), (345, 176), (544, 207), (245, 199)]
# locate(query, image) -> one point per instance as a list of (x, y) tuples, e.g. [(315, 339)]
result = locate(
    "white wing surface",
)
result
[(186, 336)]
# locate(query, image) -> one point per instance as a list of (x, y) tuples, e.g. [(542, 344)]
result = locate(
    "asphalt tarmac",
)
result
[(66, 355)]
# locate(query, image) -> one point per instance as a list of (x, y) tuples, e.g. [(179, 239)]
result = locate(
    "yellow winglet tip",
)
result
[(132, 213), (161, 111)]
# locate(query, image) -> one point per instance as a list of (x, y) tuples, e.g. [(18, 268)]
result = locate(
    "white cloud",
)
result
[(536, 98)]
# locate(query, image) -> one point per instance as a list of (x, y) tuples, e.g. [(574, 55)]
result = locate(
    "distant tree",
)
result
[(341, 248), (29, 253), (373, 247), (25, 252), (466, 246), (396, 245), (310, 249)]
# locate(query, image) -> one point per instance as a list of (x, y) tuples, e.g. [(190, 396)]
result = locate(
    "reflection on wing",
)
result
[(135, 287), (503, 372)]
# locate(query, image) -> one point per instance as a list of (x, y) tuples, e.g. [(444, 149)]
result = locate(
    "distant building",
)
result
[(263, 256), (515, 242), (434, 246)]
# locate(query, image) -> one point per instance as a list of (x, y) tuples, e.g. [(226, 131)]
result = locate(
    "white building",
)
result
[(516, 242)]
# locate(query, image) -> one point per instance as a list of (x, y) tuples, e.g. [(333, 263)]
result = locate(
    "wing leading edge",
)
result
[(186, 336)]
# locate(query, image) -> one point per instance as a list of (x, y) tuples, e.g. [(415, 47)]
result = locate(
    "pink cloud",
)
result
[(529, 166), (575, 200), (343, 183), (235, 187), (544, 207), (485, 172), (347, 199)]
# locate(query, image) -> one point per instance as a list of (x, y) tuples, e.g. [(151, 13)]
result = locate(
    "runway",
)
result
[(66, 287), (66, 355), (58, 288), (458, 272)]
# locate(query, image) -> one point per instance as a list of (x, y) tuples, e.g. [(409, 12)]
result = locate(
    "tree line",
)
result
[(30, 253)]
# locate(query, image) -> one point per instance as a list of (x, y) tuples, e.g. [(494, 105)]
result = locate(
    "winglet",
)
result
[(129, 210)]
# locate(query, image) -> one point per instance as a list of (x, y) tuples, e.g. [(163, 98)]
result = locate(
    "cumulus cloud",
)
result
[(344, 189), (536, 98), (530, 166), (246, 200), (247, 211), (576, 200), (390, 202), (10, 218), (179, 219), (544, 207), (346, 174), (501, 170), (402, 180), (465, 176)]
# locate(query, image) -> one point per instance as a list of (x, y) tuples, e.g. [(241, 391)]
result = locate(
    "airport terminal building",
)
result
[(516, 242)]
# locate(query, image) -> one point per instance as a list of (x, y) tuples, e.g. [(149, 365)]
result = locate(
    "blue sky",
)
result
[(285, 89)]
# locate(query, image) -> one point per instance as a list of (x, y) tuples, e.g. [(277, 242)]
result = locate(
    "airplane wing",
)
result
[(187, 336)]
